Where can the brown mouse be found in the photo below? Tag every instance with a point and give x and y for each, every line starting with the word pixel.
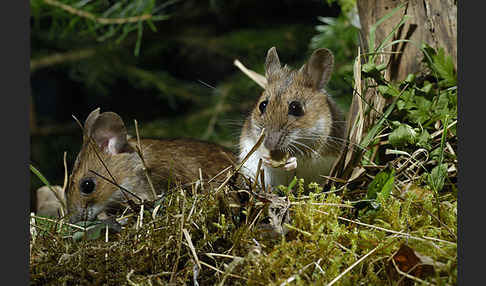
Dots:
pixel 169 161
pixel 304 129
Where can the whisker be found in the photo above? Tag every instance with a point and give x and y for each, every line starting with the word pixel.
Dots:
pixel 292 145
pixel 306 146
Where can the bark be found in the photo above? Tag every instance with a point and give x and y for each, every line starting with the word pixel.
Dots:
pixel 431 21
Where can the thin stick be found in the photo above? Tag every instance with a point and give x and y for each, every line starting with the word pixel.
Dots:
pixel 425 238
pixel 100 20
pixel 210 254
pixel 255 147
pixel 408 275
pixel 95 148
pixel 293 277
pixel 323 204
pixel 145 168
pixel 256 77
pixel 174 268
pixel 352 266
pixel 52 220
pixel 222 272
pixel 191 247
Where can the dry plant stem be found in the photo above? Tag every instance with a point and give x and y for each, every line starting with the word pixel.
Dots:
pixel 64 186
pixel 129 274
pixel 255 147
pixel 259 171
pixel 95 148
pixel 425 238
pixel 323 204
pixel 437 133
pixel 222 272
pixel 431 215
pixel 229 269
pixel 259 79
pixel 352 266
pixel 116 184
pixel 55 221
pixel 293 277
pixel 146 170
pixel 59 58
pixel 408 275
pixel 99 20
pixel 210 254
pixel 179 244
pixel 191 246
pixel 219 174
pixel 201 181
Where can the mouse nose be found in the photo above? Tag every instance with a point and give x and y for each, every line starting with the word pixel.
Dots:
pixel 272 140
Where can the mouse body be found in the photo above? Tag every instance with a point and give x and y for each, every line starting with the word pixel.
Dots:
pixel 107 154
pixel 304 129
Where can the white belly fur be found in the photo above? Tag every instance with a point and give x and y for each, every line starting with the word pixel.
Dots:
pixel 310 169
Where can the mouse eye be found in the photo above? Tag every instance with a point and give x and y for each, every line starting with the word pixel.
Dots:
pixel 87 186
pixel 262 106
pixel 295 109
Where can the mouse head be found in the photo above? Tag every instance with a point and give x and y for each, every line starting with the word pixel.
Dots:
pixel 294 109
pixel 104 139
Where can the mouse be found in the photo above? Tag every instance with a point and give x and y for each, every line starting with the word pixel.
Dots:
pixel 107 147
pixel 47 204
pixel 303 127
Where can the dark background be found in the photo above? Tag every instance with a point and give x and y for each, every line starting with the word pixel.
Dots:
pixel 183 71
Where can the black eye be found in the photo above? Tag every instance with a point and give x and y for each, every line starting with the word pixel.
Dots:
pixel 263 105
pixel 87 186
pixel 295 109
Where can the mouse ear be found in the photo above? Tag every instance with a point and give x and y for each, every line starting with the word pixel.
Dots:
pixel 109 133
pixel 272 63
pixel 317 71
pixel 90 120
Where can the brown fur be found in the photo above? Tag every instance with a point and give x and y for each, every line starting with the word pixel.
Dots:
pixel 169 161
pixel 284 86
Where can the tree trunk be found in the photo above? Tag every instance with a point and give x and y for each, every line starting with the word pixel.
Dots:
pixel 431 21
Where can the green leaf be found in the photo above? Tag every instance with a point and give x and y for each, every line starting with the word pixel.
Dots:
pixel 403 135
pixel 370 136
pixel 437 177
pixel 382 184
pixel 423 140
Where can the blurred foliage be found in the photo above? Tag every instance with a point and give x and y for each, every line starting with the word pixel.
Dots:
pixel 99 21
pixel 183 71
pixel 346 5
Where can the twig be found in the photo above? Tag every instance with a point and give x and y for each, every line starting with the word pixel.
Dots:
pixel 191 246
pixel 210 254
pixel 59 58
pixel 323 204
pixel 425 238
pixel 256 77
pixel 222 272
pixel 56 221
pixel 129 274
pixel 408 275
pixel 174 268
pixel 293 277
pixel 145 168
pixel 352 266
pixel 99 20
pixel 255 147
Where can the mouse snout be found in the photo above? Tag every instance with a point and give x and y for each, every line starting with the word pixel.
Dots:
pixel 273 140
